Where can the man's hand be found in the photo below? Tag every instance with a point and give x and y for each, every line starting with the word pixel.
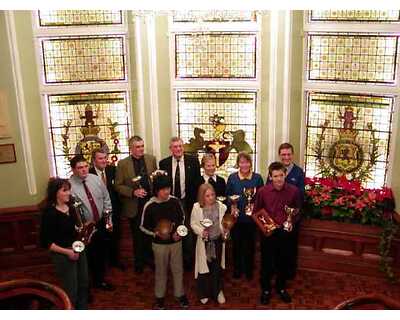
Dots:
pixel 140 193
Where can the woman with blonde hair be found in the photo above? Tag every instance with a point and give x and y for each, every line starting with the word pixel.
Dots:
pixel 210 248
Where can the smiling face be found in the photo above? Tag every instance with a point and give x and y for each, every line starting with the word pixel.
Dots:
pixel 244 166
pixel 209 197
pixel 137 149
pixel 278 178
pixel 176 148
pixel 210 167
pixel 286 156
pixel 63 195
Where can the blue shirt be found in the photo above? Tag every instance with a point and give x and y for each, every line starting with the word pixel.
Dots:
pixel 235 185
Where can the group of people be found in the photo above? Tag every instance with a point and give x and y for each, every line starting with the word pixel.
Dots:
pixel 157 201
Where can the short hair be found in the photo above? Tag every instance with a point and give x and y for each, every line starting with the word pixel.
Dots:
pixel 276 166
pixel 175 139
pixel 202 191
pixel 161 182
pixel 96 151
pixel 285 145
pixel 243 155
pixel 134 139
pixel 207 157
pixel 74 161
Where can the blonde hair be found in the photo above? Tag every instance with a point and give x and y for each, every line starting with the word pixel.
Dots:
pixel 208 157
pixel 202 191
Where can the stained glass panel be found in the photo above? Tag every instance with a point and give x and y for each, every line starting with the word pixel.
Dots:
pixel 82 59
pixel 222 121
pixel 356 58
pixel 214 16
pixel 355 15
pixel 79 17
pixel 81 122
pixel 341 126
pixel 215 55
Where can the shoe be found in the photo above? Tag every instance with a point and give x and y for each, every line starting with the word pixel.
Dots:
pixel 221 298
pixel 285 296
pixel 265 297
pixel 104 286
pixel 204 300
pixel 159 304
pixel 118 265
pixel 236 275
pixel 188 267
pixel 138 270
pixel 183 302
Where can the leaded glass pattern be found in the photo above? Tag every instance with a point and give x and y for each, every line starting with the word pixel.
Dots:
pixel 48 18
pixel 236 108
pixel 368 114
pixel 214 16
pixel 354 58
pixel 219 55
pixel 355 15
pixel 84 59
pixel 80 122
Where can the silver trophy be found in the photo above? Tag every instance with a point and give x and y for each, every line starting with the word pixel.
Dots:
pixel 206 223
pixel 249 193
pixel 182 230
pixel 108 219
pixel 84 230
pixel 291 212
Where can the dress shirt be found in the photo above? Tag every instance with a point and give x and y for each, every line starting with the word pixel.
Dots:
pixel 181 173
pixel 206 178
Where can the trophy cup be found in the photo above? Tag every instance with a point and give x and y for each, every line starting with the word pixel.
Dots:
pixel 84 230
pixel 249 194
pixel 221 199
pixel 264 222
pixel 291 212
pixel 108 219
pixel 206 223
pixel 182 230
pixel 228 221
pixel 136 182
pixel 234 202
pixel 164 228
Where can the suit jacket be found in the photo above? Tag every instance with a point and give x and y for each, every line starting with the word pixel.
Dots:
pixel 110 177
pixel 219 186
pixel 125 186
pixel 192 177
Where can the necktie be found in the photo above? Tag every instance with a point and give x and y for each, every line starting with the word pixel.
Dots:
pixel 103 177
pixel 95 211
pixel 177 181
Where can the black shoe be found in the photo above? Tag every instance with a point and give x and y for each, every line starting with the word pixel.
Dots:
pixel 118 265
pixel 104 286
pixel 183 302
pixel 188 267
pixel 249 276
pixel 285 296
pixel 265 297
pixel 159 304
pixel 236 274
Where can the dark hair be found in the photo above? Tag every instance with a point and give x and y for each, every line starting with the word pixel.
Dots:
pixel 53 186
pixel 285 145
pixel 161 182
pixel 133 140
pixel 75 160
pixel 96 151
pixel 276 166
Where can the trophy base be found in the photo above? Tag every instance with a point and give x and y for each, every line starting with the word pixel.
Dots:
pixel 78 246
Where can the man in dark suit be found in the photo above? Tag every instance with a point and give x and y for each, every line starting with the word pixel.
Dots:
pixel 106 172
pixel 184 170
pixel 134 195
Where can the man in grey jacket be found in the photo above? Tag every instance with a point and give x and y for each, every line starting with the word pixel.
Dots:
pixel 134 195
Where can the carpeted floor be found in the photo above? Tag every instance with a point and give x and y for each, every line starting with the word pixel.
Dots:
pixel 310 289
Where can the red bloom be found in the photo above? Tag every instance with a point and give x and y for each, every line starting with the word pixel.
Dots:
pixel 326 211
pixel 340 201
pixel 360 204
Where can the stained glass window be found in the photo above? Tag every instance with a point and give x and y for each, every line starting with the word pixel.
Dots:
pixel 355 15
pixel 348 134
pixel 214 16
pixel 78 59
pixel 79 17
pixel 215 55
pixel 357 58
pixel 81 122
pixel 223 122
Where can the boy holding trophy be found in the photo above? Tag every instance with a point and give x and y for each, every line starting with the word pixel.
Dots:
pixel 277 202
pixel 163 219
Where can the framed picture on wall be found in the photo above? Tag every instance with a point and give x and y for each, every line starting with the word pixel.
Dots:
pixel 7 153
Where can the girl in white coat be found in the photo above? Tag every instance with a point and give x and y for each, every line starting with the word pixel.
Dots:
pixel 210 248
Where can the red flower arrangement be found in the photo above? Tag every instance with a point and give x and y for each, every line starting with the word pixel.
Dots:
pixel 337 198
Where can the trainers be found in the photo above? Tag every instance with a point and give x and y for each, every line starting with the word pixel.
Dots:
pixel 221 298
pixel 159 304
pixel 204 300
pixel 183 302
pixel 285 296
pixel 265 297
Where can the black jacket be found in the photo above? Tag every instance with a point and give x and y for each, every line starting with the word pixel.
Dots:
pixel 219 186
pixel 192 177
